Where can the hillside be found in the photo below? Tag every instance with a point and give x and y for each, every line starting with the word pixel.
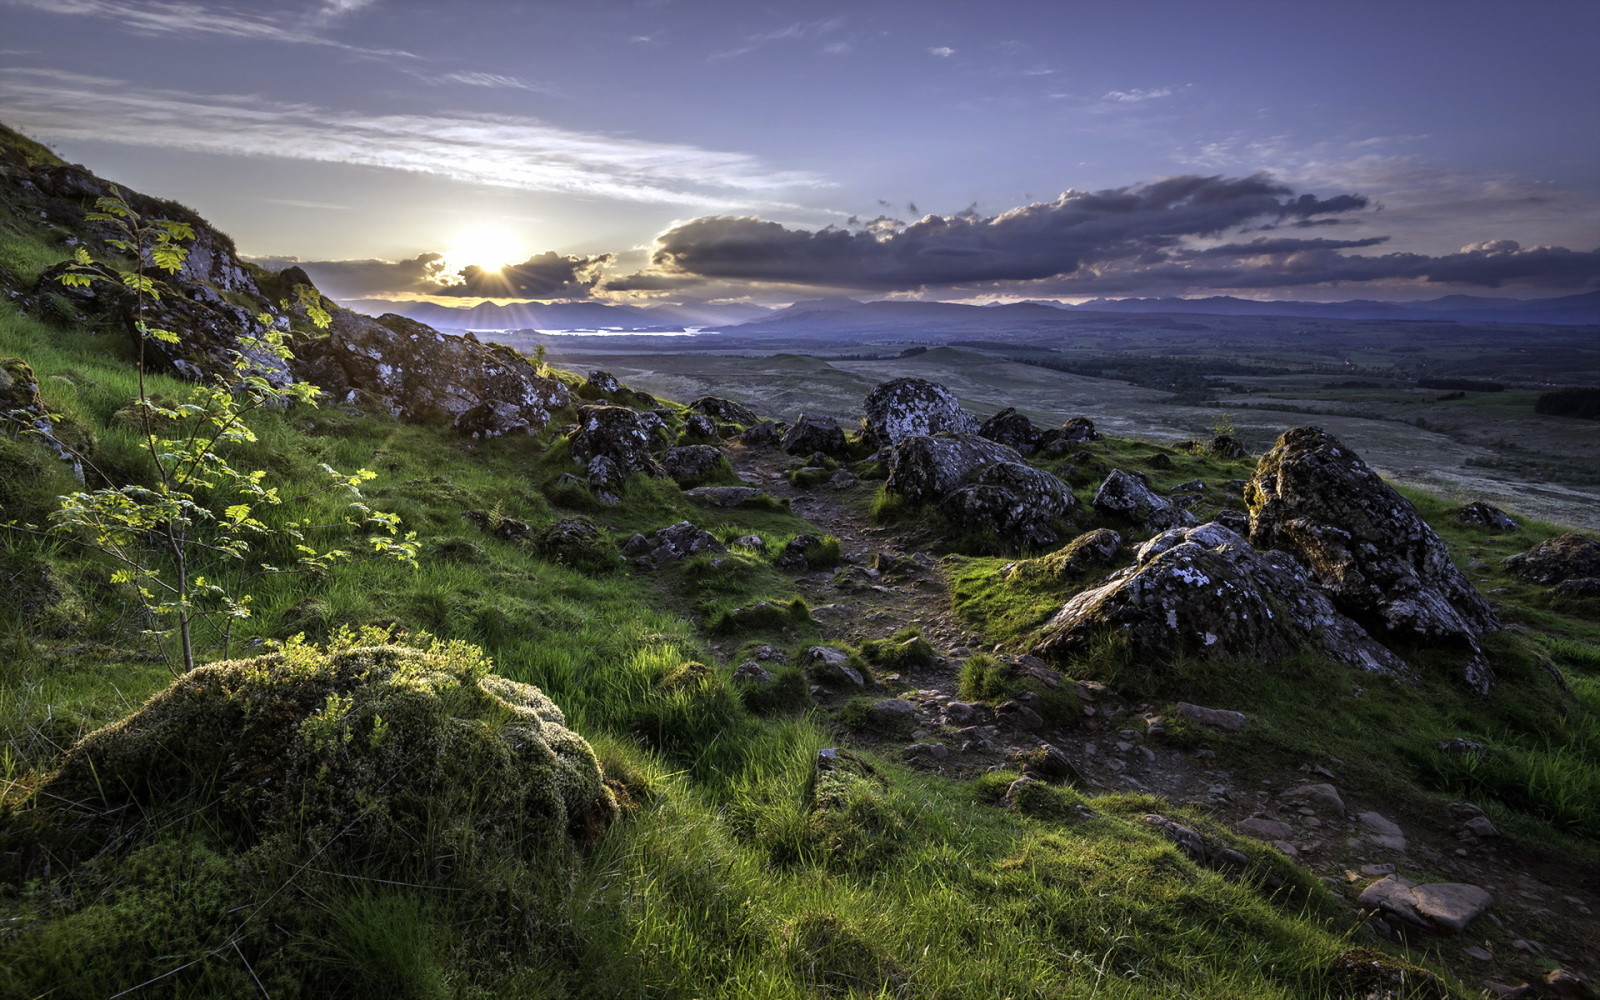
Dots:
pixel 678 701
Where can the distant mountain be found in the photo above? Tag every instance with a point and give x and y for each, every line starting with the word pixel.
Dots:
pixel 1569 309
pixel 566 315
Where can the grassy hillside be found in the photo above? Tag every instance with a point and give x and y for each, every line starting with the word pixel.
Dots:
pixel 739 866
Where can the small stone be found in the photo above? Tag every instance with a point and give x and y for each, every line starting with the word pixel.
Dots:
pixel 1383 831
pixel 1323 794
pixel 1219 718
pixel 1481 954
pixel 1265 829
pixel 1452 905
pixel 1481 827
pixel 1373 870
pixel 958 713
pixel 753 672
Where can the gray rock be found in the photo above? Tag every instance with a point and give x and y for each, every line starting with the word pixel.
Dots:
pixel 909 407
pixel 1201 849
pixel 1122 494
pixel 1483 515
pixel 891 711
pixel 835 662
pixel 1321 794
pixel 1014 502
pixel 671 544
pixel 765 434
pixel 724 496
pixel 1220 718
pixel 1265 829
pixel 23 411
pixel 755 542
pixel 620 437
pixel 725 410
pixel 1481 827
pixel 924 469
pixel 1012 429
pixel 813 433
pixel 1087 551
pixel 692 464
pixel 1555 560
pixel 752 672
pixel 1383 831
pixel 1451 905
pixel 1367 546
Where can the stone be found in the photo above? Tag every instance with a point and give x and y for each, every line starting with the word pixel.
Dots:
pixel 692 464
pixel 577 542
pixel 22 411
pixel 600 385
pixel 1367 546
pixel 1200 849
pixel 938 751
pixel 414 373
pixel 752 672
pixel 892 712
pixel 910 407
pixel 1555 560
pixel 1124 495
pixel 724 496
pixel 1265 829
pixel 924 469
pixel 1481 827
pixel 1219 718
pixel 1322 794
pixel 768 653
pixel 1451 905
pixel 1012 429
pixel 958 713
pixel 766 434
pixel 1562 984
pixel 755 542
pixel 725 410
pixel 1207 593
pixel 1087 551
pixel 613 442
pixel 699 427
pixel 1477 953
pixel 813 433
pixel 1017 503
pixel 1225 446
pixel 1018 716
pixel 1383 831
pixel 673 543
pixel 800 551
pixel 1483 515
pixel 834 663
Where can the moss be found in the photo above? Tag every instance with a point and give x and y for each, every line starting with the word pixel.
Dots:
pixel 905 650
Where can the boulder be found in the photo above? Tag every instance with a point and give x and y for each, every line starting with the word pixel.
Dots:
pixel 1012 429
pixel 1482 515
pixel 23 412
pixel 1125 495
pixel 600 385
pixel 1555 560
pixel 698 426
pixel 723 496
pixel 673 543
pixel 612 442
pixel 1217 718
pixel 1367 546
pixel 924 469
pixel 1207 593
pixel 907 407
pixel 813 433
pixel 725 410
pixel 1017 503
pixel 1225 446
pixel 413 372
pixel 1434 906
pixel 577 542
pixel 765 434
pixel 1089 550
pixel 692 464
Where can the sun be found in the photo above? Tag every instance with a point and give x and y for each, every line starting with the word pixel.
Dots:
pixel 488 247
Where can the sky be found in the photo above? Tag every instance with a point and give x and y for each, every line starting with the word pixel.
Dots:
pixel 678 150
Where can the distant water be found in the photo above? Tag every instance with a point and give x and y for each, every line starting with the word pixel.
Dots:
pixel 525 332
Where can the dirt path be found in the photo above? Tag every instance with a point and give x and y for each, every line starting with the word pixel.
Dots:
pixel 1542 916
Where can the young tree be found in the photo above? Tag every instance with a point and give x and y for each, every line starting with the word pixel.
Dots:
pixel 184 540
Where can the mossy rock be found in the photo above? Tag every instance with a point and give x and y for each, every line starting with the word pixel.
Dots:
pixel 401 757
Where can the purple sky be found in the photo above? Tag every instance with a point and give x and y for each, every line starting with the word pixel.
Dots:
pixel 637 149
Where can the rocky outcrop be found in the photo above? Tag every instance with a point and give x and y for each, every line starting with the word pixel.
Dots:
pixel 1483 515
pixel 577 542
pixel 725 410
pixel 908 407
pixel 692 464
pixel 1556 560
pixel 1125 495
pixel 1012 429
pixel 766 434
pixel 1059 440
pixel 1366 545
pixel 23 412
pixel 612 443
pixel 813 433
pixel 981 486
pixel 924 469
pixel 411 371
pixel 673 543
pixel 1206 592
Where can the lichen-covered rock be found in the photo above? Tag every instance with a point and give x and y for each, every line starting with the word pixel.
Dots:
pixel 612 443
pixel 345 755
pixel 413 372
pixel 577 542
pixel 766 434
pixel 1555 560
pixel 1012 429
pixel 1225 446
pixel 925 469
pixel 1087 551
pixel 693 464
pixel 1125 495
pixel 673 543
pixel 1484 515
pixel 1205 592
pixel 1366 544
pixel 725 410
pixel 1017 503
pixel 813 433
pixel 725 496
pixel 699 427
pixel 600 385
pixel 907 407
pixel 22 412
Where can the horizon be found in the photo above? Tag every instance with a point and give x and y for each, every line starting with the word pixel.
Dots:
pixel 639 153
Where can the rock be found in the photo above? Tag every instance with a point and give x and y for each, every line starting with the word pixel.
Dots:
pixel 813 433
pixel 1017 503
pixel 600 385
pixel 1482 515
pixel 692 464
pixel 671 544
pixel 755 542
pixel 724 496
pixel 1200 849
pixel 23 412
pixel 800 552
pixel 1078 430
pixel 417 374
pixel 1367 546
pixel 1219 718
pixel 698 426
pixel 1018 716
pixel 959 713
pixel 1123 495
pixel 768 653
pixel 577 542
pixel 1322 794
pixel 1560 984
pixel 890 713
pixel 1383 831
pixel 833 663
pixel 765 434
pixel 1225 446
pixel 1205 592
pixel 1050 763
pixel 1481 827
pixel 1012 429
pixel 1555 560
pixel 1192 486
pixel 910 407
pixel 923 469
pixel 725 410
pixel 613 443
pixel 1265 829
pixel 1087 551
pixel 938 751
pixel 753 673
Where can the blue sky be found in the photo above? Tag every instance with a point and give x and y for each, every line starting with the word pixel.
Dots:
pixel 637 149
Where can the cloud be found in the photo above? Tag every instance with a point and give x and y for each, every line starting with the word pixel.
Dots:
pixel 360 279
pixel 500 150
pixel 1169 235
pixel 546 275
pixel 178 17
pixel 497 81
pixel 1135 96
pixel 942 51
pixel 794 32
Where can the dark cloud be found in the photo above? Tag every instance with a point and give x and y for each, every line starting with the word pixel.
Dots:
pixel 548 275
pixel 1130 239
pixel 1034 241
pixel 360 279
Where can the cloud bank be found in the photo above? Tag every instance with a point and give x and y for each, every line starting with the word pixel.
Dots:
pixel 547 275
